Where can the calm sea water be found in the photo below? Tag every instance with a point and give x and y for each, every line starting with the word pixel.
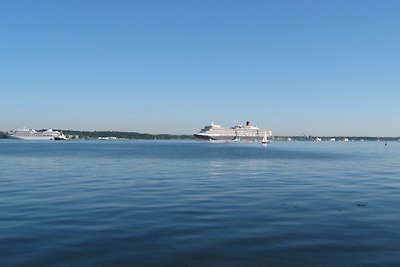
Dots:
pixel 170 203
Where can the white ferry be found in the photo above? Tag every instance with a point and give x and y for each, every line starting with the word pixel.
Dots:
pixel 215 132
pixel 31 134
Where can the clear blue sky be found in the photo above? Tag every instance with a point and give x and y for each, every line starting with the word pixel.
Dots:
pixel 315 67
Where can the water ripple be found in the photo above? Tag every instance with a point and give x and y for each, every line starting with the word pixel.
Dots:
pixel 199 204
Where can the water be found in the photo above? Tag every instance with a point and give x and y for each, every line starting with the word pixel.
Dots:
pixel 170 203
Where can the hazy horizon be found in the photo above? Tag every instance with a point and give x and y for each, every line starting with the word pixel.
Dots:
pixel 295 67
pixel 306 133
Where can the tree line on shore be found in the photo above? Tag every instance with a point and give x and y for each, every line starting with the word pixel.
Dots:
pixel 116 134
pixel 123 135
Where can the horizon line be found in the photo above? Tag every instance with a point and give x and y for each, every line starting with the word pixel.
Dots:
pixel 275 135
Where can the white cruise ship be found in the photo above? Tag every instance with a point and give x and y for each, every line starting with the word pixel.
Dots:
pixel 31 134
pixel 215 132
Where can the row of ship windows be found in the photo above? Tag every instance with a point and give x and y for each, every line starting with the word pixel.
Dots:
pixel 35 134
pixel 239 135
pixel 236 131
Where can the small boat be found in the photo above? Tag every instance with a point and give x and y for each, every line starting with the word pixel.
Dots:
pixel 236 139
pixel 61 136
pixel 265 138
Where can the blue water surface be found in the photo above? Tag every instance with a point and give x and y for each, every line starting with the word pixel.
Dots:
pixel 188 203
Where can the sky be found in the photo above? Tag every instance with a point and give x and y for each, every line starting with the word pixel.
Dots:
pixel 294 67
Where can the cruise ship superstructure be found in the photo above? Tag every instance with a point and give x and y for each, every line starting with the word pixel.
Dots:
pixel 31 134
pixel 215 132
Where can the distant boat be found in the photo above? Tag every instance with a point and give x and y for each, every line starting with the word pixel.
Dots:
pixel 61 136
pixel 346 140
pixel 332 139
pixel 215 132
pixel 236 139
pixel 265 138
pixel 318 139
pixel 31 134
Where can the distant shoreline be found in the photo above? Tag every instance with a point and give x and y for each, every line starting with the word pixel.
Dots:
pixel 337 138
pixel 75 134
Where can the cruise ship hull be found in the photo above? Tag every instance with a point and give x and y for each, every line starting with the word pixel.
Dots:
pixel 226 138
pixel 32 137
